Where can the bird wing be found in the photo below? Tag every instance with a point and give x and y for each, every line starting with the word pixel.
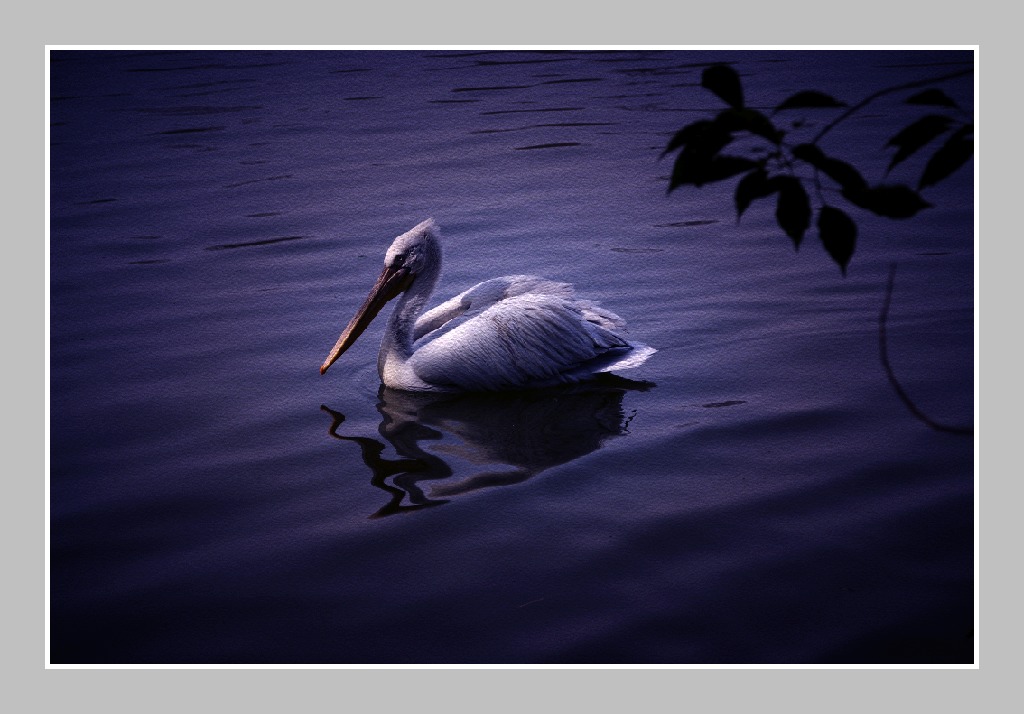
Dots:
pixel 440 315
pixel 484 295
pixel 529 339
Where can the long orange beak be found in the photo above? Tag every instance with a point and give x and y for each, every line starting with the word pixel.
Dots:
pixel 392 282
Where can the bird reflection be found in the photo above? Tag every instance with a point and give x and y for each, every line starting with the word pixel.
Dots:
pixel 511 436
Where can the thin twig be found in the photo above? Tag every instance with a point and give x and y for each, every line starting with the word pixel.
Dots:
pixel 883 349
pixel 881 93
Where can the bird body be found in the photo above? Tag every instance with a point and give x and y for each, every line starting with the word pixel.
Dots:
pixel 512 332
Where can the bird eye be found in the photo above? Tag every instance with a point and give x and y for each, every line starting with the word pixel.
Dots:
pixel 398 261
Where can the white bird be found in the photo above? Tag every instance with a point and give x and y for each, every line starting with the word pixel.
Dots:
pixel 513 332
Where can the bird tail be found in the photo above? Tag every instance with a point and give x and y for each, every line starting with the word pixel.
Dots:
pixel 633 358
pixel 592 312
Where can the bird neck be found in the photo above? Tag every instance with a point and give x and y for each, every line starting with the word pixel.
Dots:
pixel 398 335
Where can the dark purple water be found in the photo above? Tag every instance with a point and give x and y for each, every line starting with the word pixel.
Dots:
pixel 217 217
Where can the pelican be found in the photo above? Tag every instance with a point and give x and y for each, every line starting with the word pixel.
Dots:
pixel 513 332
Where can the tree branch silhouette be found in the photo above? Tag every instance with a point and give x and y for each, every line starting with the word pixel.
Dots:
pixel 881 93
pixel 883 349
pixel 701 161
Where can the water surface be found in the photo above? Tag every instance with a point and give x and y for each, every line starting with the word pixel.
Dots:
pixel 757 493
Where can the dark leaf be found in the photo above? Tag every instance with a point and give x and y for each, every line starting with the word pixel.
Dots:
pixel 809 99
pixel 756 184
pixel 839 171
pixel 701 137
pixel 725 83
pixel 810 153
pixel 793 209
pixel 699 169
pixel 932 97
pixel 838 234
pixel 686 135
pixel 749 120
pixel 723 167
pixel 952 155
pixel 888 200
pixel 913 137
